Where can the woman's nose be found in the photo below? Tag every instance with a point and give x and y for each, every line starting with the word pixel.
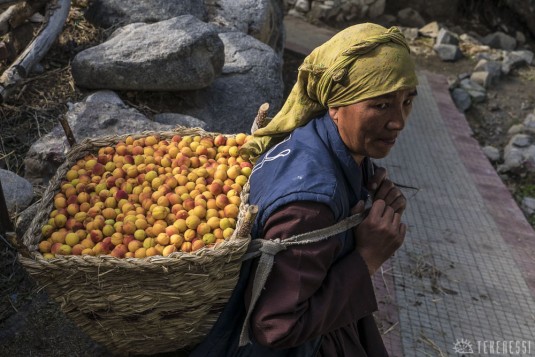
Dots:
pixel 397 121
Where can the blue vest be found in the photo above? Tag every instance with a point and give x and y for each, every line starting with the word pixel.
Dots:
pixel 311 164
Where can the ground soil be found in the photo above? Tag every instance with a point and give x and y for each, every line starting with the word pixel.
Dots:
pixel 31 324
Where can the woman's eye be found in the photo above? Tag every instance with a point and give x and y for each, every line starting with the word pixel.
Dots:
pixel 381 106
pixel 408 101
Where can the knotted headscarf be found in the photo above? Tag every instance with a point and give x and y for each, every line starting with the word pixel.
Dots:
pixel 358 63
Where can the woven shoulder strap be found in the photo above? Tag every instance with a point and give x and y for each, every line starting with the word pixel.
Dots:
pixel 267 249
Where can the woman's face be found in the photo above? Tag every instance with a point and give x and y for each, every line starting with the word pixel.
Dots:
pixel 370 128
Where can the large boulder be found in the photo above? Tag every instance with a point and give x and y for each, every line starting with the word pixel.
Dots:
pixel 261 19
pixel 181 53
pixel 18 192
pixel 107 13
pixel 251 76
pixel 100 114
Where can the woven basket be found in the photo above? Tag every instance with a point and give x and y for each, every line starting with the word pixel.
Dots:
pixel 143 306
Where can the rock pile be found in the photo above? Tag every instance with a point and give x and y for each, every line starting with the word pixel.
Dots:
pixel 338 10
pixel 519 153
pixel 497 55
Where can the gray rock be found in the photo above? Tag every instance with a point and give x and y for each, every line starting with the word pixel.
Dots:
pixel 175 119
pixel 492 153
pixel 477 96
pixel 453 82
pixel 410 33
pixel 513 159
pixel 493 68
pixel 261 19
pixel 516 59
pixel 430 30
pixel 25 218
pixel 528 205
pixel 529 123
pixel 104 96
pixel 18 192
pixel 500 40
pixel 482 78
pixel 520 140
pixel 376 9
pixel 181 53
pixel 302 5
pixel 107 13
pixel 446 37
pixel 515 129
pixel 448 52
pixel 470 38
pixel 475 90
pixel 410 18
pixel 461 98
pixel 251 76
pixel 87 120
pixel 468 84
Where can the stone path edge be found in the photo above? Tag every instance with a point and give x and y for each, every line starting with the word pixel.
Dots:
pixel 512 224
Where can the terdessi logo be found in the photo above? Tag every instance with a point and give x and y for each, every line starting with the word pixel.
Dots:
pixel 493 347
pixel 463 346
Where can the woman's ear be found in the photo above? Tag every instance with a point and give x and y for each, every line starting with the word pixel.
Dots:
pixel 333 113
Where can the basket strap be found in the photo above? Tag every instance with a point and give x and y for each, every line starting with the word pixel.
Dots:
pixel 267 249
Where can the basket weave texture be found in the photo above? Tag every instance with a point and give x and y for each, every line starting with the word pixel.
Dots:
pixel 143 306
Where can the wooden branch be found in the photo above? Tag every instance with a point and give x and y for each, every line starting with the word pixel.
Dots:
pixel 17 14
pixel 245 228
pixel 67 129
pixel 260 119
pixel 57 13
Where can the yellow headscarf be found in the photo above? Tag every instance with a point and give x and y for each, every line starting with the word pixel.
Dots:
pixel 358 63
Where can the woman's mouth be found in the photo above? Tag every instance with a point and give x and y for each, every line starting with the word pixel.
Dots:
pixel 388 141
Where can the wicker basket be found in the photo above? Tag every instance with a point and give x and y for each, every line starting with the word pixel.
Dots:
pixel 143 306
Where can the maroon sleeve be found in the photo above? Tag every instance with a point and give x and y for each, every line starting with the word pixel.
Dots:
pixel 307 294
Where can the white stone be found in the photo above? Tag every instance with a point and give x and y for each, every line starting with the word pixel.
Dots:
pixel 520 140
pixel 376 9
pixel 515 129
pixel 513 159
pixel 492 153
pixel 302 5
pixel 528 205
pixel 430 30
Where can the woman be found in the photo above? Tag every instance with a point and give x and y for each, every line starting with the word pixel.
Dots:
pixel 351 100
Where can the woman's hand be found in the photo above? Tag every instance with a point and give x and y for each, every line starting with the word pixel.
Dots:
pixel 379 235
pixel 385 190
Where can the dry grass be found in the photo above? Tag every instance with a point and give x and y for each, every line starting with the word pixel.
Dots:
pixel 33 109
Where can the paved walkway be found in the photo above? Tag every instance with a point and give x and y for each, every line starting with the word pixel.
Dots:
pixel 466 272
